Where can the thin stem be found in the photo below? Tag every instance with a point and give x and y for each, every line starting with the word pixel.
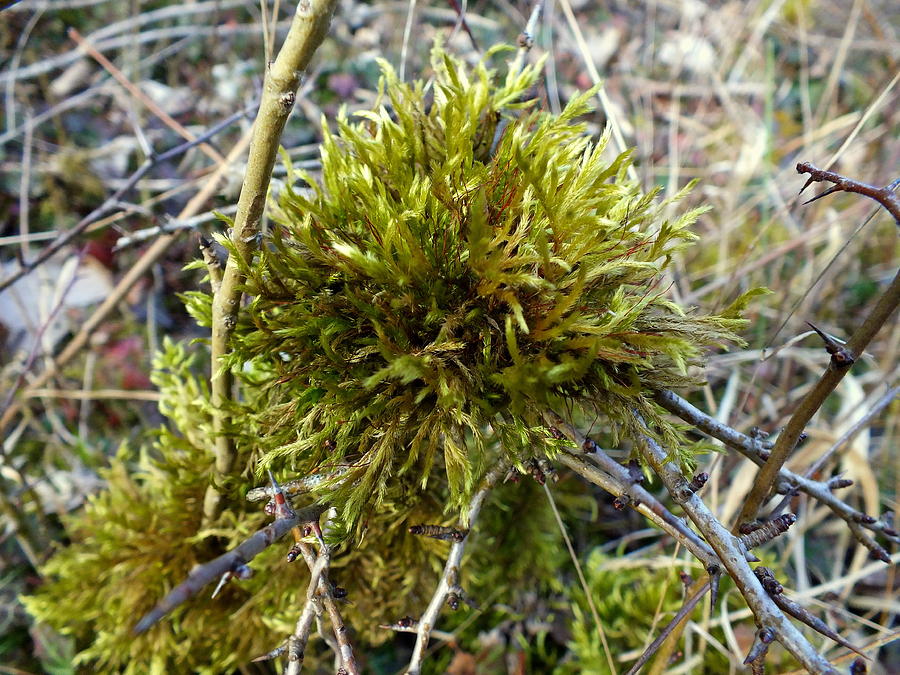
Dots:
pixel 886 196
pixel 584 584
pixel 448 577
pixel 308 29
pixel 214 569
pixel 682 614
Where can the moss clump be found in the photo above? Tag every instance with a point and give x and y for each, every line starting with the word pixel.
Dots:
pixel 458 272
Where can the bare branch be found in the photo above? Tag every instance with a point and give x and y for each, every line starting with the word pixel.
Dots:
pixel 732 555
pixel 449 576
pixel 756 450
pixel 886 196
pixel 684 612
pixel 775 590
pixel 616 479
pixel 214 569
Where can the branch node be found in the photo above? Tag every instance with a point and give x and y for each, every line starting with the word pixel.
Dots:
pixel 698 481
pixel 841 357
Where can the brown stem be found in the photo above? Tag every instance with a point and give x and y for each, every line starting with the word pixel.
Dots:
pixel 787 439
pixel 308 29
pixel 886 196
pixel 682 614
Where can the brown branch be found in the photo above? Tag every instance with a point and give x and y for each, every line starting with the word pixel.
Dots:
pixel 682 614
pixel 775 590
pixel 732 554
pixel 886 196
pixel 214 569
pixel 308 29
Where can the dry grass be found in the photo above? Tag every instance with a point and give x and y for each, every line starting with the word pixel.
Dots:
pixel 732 94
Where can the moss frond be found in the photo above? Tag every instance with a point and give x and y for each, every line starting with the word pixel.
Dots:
pixel 457 271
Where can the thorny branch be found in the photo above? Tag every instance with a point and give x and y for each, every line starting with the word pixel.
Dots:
pixel 886 196
pixel 308 29
pixel 227 562
pixel 320 591
pixel 614 478
pixel 756 450
pixel 733 556
pixel 449 576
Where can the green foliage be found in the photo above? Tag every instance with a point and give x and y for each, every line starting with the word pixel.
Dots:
pixel 143 534
pixel 457 273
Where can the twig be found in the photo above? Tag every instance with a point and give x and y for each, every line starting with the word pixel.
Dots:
pixel 113 200
pixel 526 37
pixel 448 577
pixel 886 196
pixel 171 225
pixel 241 555
pixel 775 590
pixel 119 76
pixel 879 405
pixel 642 501
pixel 732 555
pixel 308 29
pixel 755 451
pixel 319 591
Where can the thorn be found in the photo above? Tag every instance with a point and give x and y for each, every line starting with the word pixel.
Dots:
pixel 282 508
pixel 764 637
pixel 715 575
pixel 840 355
pixel 698 481
pixel 809 181
pixel 222 581
pixel 827 192
pixel 268 656
pixel 621 502
pixel 439 532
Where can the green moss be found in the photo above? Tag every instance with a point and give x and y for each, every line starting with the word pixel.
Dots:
pixel 458 272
